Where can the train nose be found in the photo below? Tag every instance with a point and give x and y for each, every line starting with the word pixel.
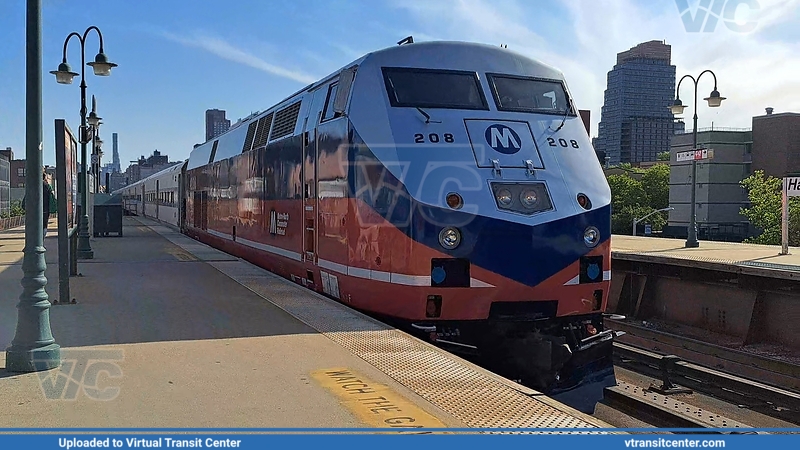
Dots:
pixel 503 144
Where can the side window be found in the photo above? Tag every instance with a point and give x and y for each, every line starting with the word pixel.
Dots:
pixel 329 112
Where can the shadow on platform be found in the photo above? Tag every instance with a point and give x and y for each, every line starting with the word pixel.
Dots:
pixel 142 288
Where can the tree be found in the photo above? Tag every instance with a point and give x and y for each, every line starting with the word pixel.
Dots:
pixel 625 192
pixel 663 156
pixel 627 199
pixel 633 199
pixel 655 183
pixel 764 193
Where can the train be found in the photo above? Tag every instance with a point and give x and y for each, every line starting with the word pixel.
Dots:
pixel 448 188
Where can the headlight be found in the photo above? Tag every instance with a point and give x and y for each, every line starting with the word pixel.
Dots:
pixel 523 198
pixel 591 237
pixel 504 197
pixel 449 238
pixel 528 198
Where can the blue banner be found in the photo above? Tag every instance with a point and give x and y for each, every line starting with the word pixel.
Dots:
pixel 295 439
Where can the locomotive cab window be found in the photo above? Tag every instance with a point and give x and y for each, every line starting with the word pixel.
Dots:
pixel 426 88
pixel 530 95
pixel 330 113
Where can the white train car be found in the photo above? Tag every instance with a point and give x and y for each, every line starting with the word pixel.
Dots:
pixel 162 196
pixel 132 198
pixel 157 197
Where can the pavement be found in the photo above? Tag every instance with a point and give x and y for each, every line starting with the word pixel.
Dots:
pixel 160 338
pixel 711 251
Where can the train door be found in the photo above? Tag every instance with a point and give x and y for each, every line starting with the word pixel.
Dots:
pixel 158 200
pixel 181 202
pixel 200 207
pixel 144 200
pixel 310 191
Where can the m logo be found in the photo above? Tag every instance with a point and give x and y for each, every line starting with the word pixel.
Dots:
pixel 503 139
pixel 708 12
pixel 273 222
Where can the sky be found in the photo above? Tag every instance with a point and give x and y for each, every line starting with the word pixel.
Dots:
pixel 178 58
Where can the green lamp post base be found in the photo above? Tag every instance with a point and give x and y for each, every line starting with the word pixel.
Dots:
pixel 33 359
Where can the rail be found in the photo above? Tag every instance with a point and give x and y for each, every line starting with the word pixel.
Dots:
pixel 672 371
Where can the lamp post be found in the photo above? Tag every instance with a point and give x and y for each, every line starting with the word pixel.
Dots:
pixel 94 129
pixel 714 100
pixel 33 347
pixel 636 221
pixel 64 75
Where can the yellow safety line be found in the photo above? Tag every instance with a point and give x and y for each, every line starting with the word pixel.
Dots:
pixel 375 404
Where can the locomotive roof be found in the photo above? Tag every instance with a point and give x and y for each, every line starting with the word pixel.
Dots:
pixel 431 54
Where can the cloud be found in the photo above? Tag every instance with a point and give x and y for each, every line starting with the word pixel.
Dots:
pixel 226 50
pixel 582 38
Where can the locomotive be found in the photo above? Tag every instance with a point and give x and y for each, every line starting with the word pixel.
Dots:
pixel 449 188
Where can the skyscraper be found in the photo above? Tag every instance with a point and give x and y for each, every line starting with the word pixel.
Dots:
pixel 115 165
pixel 216 123
pixel 635 122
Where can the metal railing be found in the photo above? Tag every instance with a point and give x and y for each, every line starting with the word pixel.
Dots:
pixel 701 130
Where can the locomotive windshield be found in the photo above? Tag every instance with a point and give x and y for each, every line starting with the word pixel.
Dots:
pixel 529 95
pixel 426 88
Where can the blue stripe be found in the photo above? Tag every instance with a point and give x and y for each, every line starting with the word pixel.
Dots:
pixel 524 253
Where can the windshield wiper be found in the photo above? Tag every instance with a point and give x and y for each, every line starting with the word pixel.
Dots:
pixel 427 116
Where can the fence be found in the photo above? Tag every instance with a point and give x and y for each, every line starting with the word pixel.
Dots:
pixel 12 222
pixel 17 221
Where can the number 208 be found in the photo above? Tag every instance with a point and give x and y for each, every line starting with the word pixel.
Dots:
pixel 419 138
pixel 563 142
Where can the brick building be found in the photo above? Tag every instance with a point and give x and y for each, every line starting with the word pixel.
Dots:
pixel 776 143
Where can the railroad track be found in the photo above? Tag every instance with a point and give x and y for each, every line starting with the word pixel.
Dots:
pixel 676 369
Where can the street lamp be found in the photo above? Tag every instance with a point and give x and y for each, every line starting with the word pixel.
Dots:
pixel 94 136
pixel 677 107
pixel 33 348
pixel 64 75
pixel 636 221
pixel 96 156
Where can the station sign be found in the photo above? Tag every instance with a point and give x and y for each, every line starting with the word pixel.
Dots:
pixel 696 155
pixel 792 186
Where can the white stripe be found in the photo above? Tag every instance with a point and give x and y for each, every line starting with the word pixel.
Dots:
pixel 358 272
pixel 411 280
pixel 576 279
pixel 272 249
pixel 379 275
pixel 473 282
pixel 330 265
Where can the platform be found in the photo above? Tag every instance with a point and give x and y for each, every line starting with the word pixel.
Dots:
pixel 746 259
pixel 168 332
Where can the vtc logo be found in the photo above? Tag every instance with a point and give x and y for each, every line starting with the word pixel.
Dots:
pixel 82 371
pixel 503 139
pixel 709 12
